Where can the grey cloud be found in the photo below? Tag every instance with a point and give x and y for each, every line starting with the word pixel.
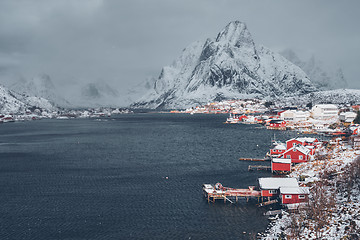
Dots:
pixel 123 42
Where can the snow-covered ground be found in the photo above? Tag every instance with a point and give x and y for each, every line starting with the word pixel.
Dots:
pixel 339 205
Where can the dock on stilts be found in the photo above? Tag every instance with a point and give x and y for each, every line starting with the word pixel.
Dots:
pixel 259 168
pixel 255 159
pixel 268 203
pixel 218 192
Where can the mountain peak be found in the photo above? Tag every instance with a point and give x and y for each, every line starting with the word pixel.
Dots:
pixel 236 34
pixel 231 66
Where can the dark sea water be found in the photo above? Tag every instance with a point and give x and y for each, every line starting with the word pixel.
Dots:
pixel 88 179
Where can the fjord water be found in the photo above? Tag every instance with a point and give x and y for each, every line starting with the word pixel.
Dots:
pixel 133 176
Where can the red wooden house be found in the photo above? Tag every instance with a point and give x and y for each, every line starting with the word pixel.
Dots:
pixel 356 131
pixel 277 124
pixel 306 141
pixel 292 197
pixel 278 150
pixel 297 154
pixel 280 165
pixel 269 187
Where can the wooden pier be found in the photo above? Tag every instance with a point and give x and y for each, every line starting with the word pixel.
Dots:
pixel 259 168
pixel 255 159
pixel 218 192
pixel 268 203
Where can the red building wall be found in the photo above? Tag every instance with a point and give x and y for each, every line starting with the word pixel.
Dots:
pixel 295 156
pixel 266 193
pixel 280 166
pixel 294 198
pixel 278 151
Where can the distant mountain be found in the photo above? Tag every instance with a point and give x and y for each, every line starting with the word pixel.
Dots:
pixel 94 94
pixel 337 96
pixel 228 66
pixel 12 102
pixel 323 79
pixel 40 86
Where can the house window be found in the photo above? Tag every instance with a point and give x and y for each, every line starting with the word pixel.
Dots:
pixel 294 144
pixel 272 191
pixel 301 157
pixel 288 196
pixel 294 149
pixel 301 196
pixel 288 156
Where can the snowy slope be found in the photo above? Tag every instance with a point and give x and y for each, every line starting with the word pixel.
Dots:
pixel 12 102
pixel 323 79
pixel 229 66
pixel 338 96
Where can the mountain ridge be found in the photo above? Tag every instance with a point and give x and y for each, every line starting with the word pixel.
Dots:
pixel 228 66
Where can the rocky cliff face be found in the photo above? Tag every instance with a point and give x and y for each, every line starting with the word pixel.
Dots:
pixel 228 66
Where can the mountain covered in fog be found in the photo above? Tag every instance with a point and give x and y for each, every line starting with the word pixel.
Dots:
pixel 12 102
pixel 75 94
pixel 230 65
pixel 40 86
pixel 332 78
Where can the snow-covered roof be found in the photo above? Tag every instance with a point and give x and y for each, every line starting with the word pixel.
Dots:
pixel 280 147
pixel 294 190
pixel 281 160
pixel 275 183
pixel 303 139
pixel 327 106
pixel 306 139
pixel 208 186
pixel 299 148
pixel 303 149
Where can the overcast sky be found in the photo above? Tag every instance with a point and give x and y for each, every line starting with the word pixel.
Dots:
pixel 123 42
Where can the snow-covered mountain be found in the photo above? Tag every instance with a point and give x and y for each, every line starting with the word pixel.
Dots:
pixel 93 94
pixel 40 86
pixel 337 96
pixel 228 66
pixel 323 79
pixel 12 102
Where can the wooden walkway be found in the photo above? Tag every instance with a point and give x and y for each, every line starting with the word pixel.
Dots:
pixel 216 192
pixel 255 159
pixel 259 168
pixel 268 203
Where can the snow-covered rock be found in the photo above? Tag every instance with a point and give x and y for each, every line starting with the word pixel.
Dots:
pixel 229 66
pixel 337 96
pixel 12 102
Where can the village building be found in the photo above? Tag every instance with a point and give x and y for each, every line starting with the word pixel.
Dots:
pixel 297 154
pixel 277 124
pixel 270 187
pixel 278 150
pixel 294 115
pixel 304 141
pixel 292 197
pixel 324 111
pixel 347 117
pixel 279 165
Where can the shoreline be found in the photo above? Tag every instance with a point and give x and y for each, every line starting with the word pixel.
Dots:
pixel 333 211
